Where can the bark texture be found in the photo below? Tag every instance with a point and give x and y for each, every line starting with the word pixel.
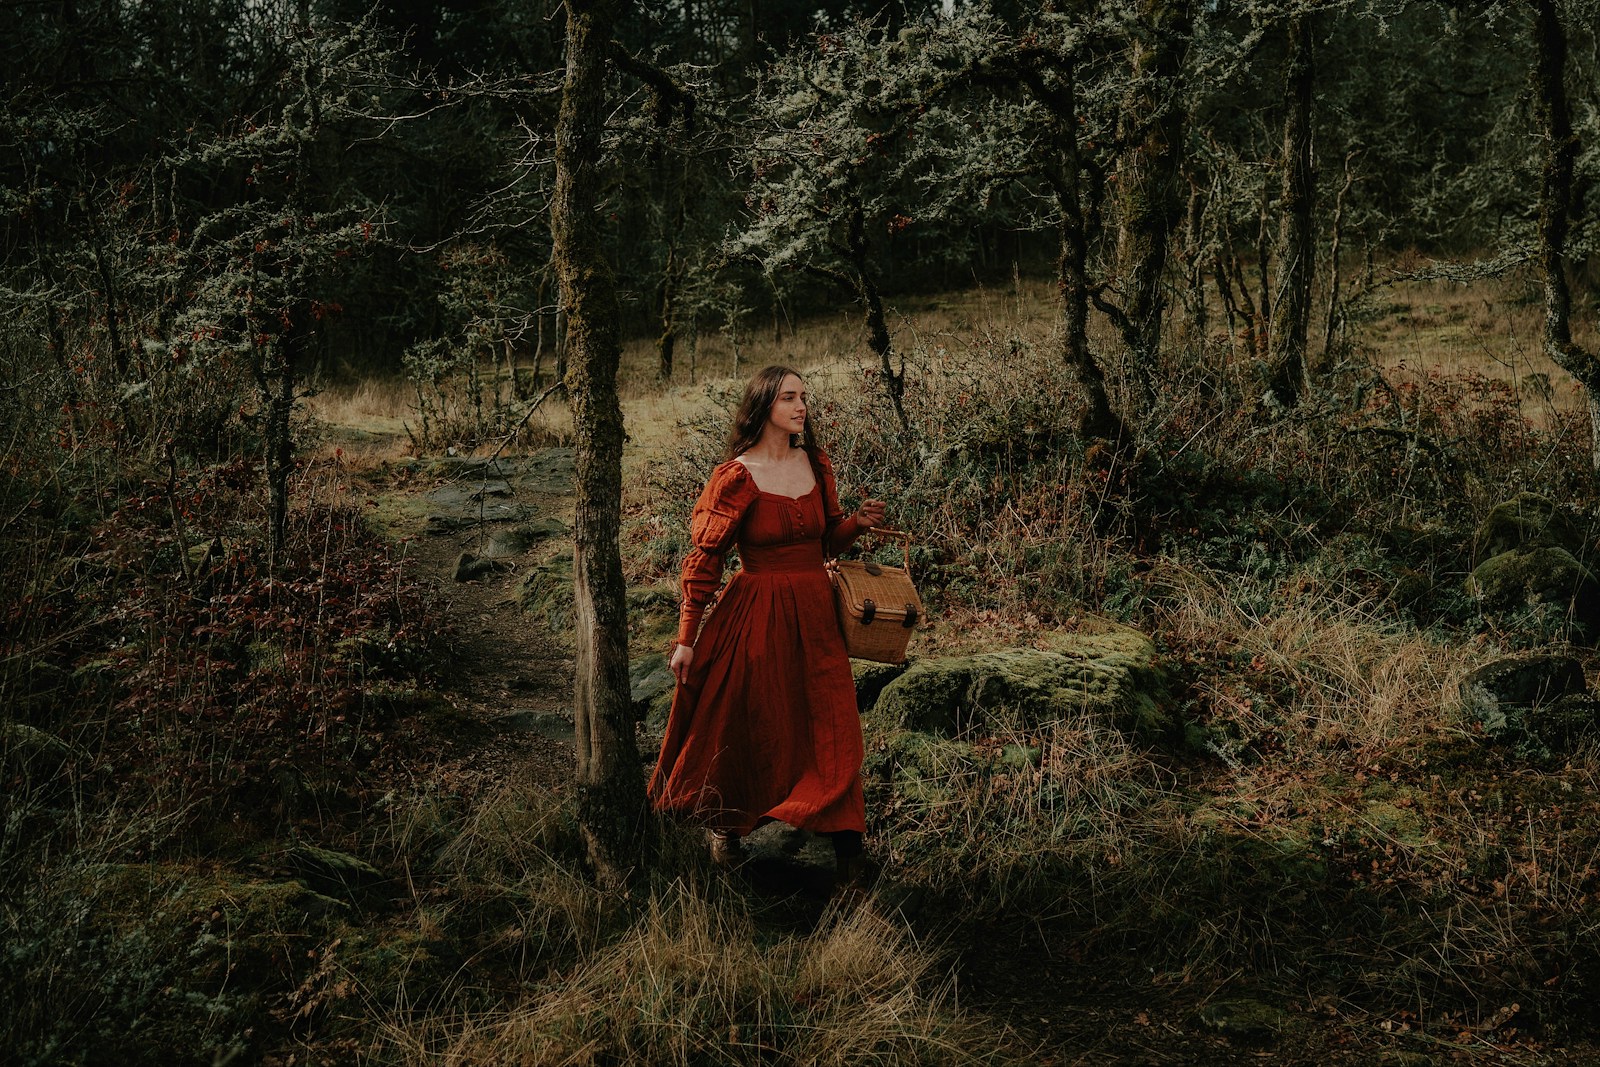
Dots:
pixel 1152 131
pixel 1555 209
pixel 1096 419
pixel 1297 245
pixel 611 801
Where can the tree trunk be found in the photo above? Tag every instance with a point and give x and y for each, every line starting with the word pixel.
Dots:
pixel 1193 257
pixel 894 383
pixel 611 801
pixel 1555 206
pixel 277 390
pixel 1291 309
pixel 1335 247
pixel 1096 419
pixel 1152 129
pixel 668 339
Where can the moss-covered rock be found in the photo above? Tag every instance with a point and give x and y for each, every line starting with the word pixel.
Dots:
pixel 871 678
pixel 918 766
pixel 1565 721
pixel 653 614
pixel 339 875
pixel 1244 1018
pixel 1535 700
pixel 1542 581
pixel 547 593
pixel 1524 679
pixel 1526 521
pixel 515 540
pixel 33 753
pixel 1116 673
pixel 470 568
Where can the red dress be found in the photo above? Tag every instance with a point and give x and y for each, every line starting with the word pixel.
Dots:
pixel 766 725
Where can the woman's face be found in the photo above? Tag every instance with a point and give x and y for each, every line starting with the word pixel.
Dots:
pixel 788 414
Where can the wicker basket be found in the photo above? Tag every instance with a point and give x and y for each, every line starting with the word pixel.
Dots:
pixel 877 605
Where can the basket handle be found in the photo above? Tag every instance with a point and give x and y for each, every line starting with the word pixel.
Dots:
pixel 904 538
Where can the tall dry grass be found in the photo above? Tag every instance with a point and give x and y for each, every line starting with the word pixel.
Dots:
pixel 692 971
pixel 694 982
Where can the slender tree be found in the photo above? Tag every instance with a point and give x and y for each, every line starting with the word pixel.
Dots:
pixel 1152 138
pixel 1297 242
pixel 611 798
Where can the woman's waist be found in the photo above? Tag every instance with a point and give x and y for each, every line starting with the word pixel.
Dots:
pixel 795 557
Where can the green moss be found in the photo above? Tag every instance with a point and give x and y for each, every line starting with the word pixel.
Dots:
pixel 339 875
pixel 653 614
pixel 871 678
pixel 1525 521
pixel 1513 578
pixel 156 963
pixel 547 593
pixel 1115 673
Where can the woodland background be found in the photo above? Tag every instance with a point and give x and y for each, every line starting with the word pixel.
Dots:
pixel 1244 352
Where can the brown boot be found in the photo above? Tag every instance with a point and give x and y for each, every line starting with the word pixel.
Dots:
pixel 725 848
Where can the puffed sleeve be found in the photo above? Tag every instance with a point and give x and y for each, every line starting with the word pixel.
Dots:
pixel 712 529
pixel 839 532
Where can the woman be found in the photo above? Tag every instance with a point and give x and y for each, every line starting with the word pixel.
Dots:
pixel 764 723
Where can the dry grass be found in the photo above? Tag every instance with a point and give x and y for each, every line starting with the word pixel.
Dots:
pixel 1332 822
pixel 1488 328
pixel 693 982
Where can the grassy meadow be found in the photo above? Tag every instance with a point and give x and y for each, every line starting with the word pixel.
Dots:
pixel 1326 857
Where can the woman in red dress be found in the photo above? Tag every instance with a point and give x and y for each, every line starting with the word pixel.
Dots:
pixel 764 723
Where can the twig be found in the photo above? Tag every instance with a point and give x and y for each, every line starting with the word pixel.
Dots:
pixel 512 436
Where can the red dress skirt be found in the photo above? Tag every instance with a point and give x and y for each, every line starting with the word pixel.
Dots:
pixel 766 725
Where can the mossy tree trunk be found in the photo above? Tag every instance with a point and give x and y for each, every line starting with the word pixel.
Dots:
pixel 611 802
pixel 1297 244
pixel 1097 421
pixel 1151 129
pixel 1555 210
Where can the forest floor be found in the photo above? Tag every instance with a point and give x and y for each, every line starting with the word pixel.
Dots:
pixel 512 678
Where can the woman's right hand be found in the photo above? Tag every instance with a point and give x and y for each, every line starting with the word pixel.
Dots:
pixel 682 656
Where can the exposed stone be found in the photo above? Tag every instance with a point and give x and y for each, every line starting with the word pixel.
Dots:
pixel 1116 673
pixel 1534 699
pixel 499 512
pixel 338 874
pixel 459 495
pixel 470 568
pixel 1523 522
pixel 1541 580
pixel 1525 679
pixel 525 535
pixel 550 724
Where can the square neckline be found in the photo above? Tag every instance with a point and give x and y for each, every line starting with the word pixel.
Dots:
pixel 816 483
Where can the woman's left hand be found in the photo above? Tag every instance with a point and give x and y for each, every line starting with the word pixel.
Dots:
pixel 870 514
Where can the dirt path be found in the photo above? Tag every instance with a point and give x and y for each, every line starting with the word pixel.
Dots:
pixel 472 532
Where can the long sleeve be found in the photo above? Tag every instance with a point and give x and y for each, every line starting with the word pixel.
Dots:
pixel 713 527
pixel 840 532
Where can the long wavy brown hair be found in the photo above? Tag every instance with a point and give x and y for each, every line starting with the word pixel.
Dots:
pixel 756 408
